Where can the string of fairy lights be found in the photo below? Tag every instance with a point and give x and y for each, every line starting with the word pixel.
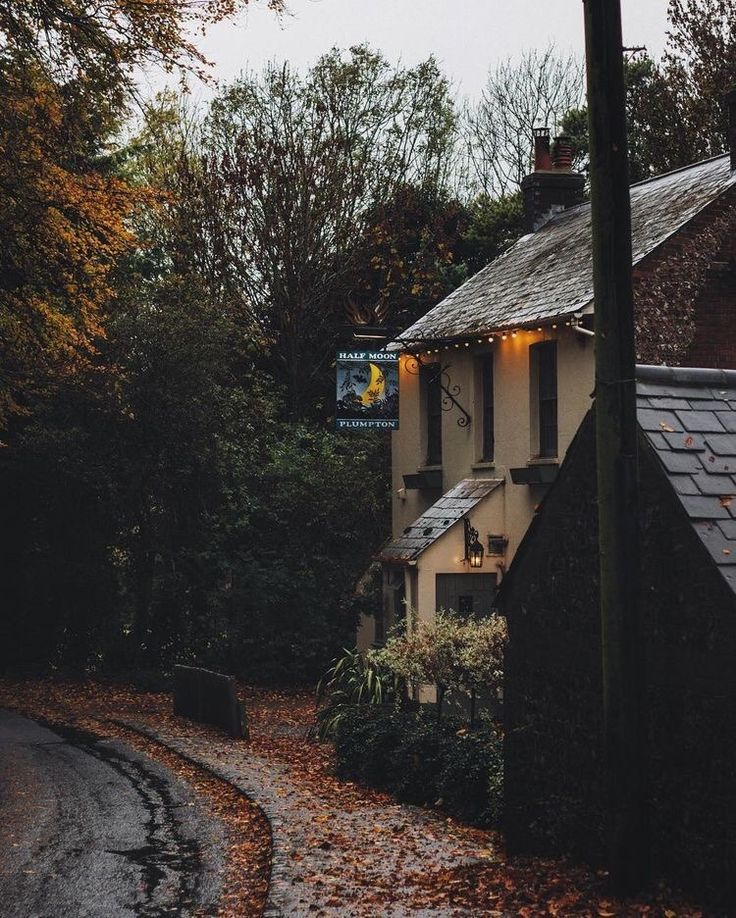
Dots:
pixel 490 338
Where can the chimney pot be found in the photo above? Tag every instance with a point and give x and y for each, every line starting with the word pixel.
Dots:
pixel 553 186
pixel 731 103
pixel 562 157
pixel 542 158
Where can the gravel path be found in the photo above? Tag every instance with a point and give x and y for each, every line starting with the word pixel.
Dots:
pixel 328 859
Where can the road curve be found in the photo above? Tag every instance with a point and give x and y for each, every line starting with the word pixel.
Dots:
pixel 92 829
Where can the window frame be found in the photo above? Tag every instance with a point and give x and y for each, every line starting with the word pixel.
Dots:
pixel 485 378
pixel 545 390
pixel 432 398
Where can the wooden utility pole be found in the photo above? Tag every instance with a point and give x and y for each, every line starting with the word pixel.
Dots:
pixel 616 450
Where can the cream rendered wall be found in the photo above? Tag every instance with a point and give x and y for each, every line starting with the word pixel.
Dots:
pixel 445 556
pixel 508 510
pixel 407 450
pixel 366 632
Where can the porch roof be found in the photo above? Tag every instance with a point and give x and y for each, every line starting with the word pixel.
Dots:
pixel 437 520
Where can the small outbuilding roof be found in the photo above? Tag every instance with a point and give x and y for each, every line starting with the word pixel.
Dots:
pixel 689 418
pixel 549 274
pixel 436 521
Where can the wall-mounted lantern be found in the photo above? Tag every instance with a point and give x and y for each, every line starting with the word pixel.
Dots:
pixel 473 548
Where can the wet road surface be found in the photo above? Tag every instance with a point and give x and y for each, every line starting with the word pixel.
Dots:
pixel 91 828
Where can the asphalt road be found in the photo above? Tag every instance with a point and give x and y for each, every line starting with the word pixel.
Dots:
pixel 91 828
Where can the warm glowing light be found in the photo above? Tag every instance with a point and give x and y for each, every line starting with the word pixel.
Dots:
pixel 513 334
pixel 473 548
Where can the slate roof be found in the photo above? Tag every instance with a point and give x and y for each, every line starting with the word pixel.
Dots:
pixel 689 418
pixel 436 521
pixel 549 274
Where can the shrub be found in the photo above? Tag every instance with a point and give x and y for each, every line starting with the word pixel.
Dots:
pixel 470 783
pixel 449 652
pixel 351 679
pixel 366 738
pixel 423 762
pixel 418 760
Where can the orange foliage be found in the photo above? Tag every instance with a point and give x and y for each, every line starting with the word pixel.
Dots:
pixel 64 224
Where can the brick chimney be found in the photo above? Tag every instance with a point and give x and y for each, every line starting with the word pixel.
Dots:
pixel 731 104
pixel 553 186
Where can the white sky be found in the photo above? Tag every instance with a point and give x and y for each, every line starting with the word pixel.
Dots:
pixel 467 36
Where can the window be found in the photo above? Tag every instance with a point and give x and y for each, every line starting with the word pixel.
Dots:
pixel 544 397
pixel 433 402
pixel 485 379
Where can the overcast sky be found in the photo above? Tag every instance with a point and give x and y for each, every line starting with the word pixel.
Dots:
pixel 467 36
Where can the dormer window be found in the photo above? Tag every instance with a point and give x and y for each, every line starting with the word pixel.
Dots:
pixel 543 366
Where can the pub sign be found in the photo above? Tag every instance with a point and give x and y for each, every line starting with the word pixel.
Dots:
pixel 367 390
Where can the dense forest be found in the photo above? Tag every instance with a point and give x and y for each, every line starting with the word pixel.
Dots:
pixel 174 281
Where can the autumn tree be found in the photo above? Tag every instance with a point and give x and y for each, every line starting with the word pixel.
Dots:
pixel 650 100
pixel 285 176
pixel 105 43
pixel 674 106
pixel 537 90
pixel 700 65
pixel 408 258
pixel 67 74
pixel 63 218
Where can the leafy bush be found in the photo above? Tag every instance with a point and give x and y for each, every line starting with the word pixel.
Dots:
pixel 351 679
pixel 449 652
pixel 416 763
pixel 470 783
pixel 365 738
pixel 420 761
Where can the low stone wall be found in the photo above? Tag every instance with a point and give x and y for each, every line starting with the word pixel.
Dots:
pixel 209 698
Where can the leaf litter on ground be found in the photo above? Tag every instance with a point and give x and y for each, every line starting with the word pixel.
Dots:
pixel 487 883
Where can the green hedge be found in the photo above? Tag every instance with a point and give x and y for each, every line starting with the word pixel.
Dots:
pixel 421 761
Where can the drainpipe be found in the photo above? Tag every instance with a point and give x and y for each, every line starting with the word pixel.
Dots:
pixel 582 330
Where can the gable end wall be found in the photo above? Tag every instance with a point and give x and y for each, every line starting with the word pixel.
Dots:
pixel 553 686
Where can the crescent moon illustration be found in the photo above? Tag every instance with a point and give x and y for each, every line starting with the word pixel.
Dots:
pixel 375 388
